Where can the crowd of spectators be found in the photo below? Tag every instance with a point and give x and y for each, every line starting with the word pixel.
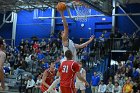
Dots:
pixel 126 78
pixel 33 56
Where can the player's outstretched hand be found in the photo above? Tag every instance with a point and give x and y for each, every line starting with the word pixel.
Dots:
pixel 92 37
pixel 87 84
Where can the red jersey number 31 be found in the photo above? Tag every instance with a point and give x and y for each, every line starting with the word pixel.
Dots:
pixel 65 69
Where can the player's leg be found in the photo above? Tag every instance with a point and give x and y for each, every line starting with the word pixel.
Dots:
pixel 2 79
pixel 82 91
pixel 77 86
pixel 82 87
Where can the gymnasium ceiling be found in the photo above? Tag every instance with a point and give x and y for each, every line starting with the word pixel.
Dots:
pixel 30 5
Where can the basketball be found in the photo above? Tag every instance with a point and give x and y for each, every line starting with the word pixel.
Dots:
pixel 61 6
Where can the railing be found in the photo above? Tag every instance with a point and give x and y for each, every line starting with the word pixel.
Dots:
pixel 21 83
pixel 101 47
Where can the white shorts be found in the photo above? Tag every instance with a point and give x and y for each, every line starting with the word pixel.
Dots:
pixel 80 85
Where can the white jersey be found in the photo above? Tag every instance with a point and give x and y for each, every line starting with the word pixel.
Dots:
pixel 71 46
pixel 81 72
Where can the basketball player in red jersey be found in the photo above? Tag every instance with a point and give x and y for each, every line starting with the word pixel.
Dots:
pixel 48 77
pixel 67 71
pixel 2 59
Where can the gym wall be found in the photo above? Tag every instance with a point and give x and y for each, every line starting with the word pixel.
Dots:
pixel 123 22
pixel 6 29
pixel 28 27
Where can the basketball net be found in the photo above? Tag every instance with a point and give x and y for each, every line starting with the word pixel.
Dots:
pixel 82 11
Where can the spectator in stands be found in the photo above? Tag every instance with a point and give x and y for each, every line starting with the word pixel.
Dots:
pixel 128 72
pixel 11 59
pixel 27 46
pixel 125 40
pixel 118 36
pixel 36 47
pixel 101 44
pixel 95 82
pixel 40 56
pixel 59 43
pixel 129 63
pixel 27 58
pixel 120 65
pixel 128 87
pixel 21 46
pixel 110 87
pixel 102 87
pixel 43 44
pixel 121 81
pixel 30 84
pixel 16 51
pixel 7 67
pixel 136 61
pixel 122 71
pixel 135 74
pixel 9 49
pixel 17 60
pixel 134 37
pixel 135 87
pixel 34 62
pixel 131 57
pixel 138 69
pixel 117 88
pixel 22 42
pixel 20 67
pixel 116 77
pixel 130 79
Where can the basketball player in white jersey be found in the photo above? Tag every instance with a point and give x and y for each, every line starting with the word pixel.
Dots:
pixel 2 59
pixel 68 45
pixel 79 84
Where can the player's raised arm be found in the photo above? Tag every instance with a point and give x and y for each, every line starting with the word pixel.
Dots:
pixel 84 44
pixel 61 7
pixel 65 34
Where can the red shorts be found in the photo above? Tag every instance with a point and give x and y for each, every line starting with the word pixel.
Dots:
pixel 67 90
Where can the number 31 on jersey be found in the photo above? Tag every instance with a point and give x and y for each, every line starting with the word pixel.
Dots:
pixel 65 69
